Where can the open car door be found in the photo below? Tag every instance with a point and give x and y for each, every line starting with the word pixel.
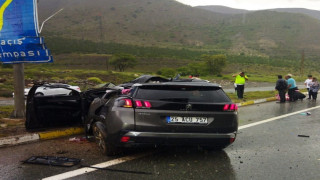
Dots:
pixel 53 110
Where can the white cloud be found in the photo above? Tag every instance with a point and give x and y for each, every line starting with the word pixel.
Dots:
pixel 257 4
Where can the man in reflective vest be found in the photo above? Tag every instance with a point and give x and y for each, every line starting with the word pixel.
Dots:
pixel 239 82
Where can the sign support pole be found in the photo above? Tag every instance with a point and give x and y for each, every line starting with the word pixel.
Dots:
pixel 19 84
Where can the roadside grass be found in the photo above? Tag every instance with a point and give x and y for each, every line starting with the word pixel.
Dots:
pixel 9 126
pixel 254 95
pixel 5 111
pixel 248 96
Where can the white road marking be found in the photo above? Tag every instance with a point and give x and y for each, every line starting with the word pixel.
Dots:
pixel 113 162
pixel 18 139
pixel 85 170
pixel 276 118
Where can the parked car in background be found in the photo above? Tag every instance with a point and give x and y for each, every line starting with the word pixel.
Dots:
pixel 52 89
pixel 148 111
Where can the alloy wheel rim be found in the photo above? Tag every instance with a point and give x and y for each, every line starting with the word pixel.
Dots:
pixel 99 139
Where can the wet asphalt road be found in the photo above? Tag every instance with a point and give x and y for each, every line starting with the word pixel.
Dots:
pixel 267 151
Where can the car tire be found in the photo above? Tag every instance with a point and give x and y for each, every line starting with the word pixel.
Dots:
pixel 39 94
pixel 101 139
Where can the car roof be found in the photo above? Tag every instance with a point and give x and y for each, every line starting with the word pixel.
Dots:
pixel 56 85
pixel 175 83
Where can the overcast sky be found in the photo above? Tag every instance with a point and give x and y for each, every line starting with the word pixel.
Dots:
pixel 257 4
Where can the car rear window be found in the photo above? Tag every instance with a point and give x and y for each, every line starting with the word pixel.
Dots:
pixel 182 94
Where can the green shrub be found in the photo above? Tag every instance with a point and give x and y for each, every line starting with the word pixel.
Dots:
pixel 5 93
pixel 55 78
pixel 167 72
pixel 95 80
pixel 68 78
pixel 5 111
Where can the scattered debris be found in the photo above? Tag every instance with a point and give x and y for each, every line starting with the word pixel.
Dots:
pixel 77 139
pixel 53 161
pixel 306 113
pixel 300 135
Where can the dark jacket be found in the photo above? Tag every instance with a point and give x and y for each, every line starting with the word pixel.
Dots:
pixel 281 85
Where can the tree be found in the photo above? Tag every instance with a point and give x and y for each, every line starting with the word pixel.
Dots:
pixel 167 72
pixel 214 63
pixel 197 68
pixel 123 61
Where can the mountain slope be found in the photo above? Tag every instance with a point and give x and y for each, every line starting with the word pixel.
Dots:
pixel 232 11
pixel 143 22
pixel 169 24
pixel 311 13
pixel 223 9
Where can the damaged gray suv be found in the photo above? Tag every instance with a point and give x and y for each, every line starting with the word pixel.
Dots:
pixel 171 113
pixel 157 113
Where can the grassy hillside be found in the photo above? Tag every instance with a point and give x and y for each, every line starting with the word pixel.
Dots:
pixel 224 9
pixel 274 34
pixel 139 22
pixel 167 24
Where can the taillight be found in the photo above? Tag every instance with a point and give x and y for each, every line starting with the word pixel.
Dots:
pixel 226 107
pixel 138 103
pixel 142 104
pixel 230 107
pixel 125 139
pixel 147 104
pixel 127 103
pixel 233 107
pixel 232 139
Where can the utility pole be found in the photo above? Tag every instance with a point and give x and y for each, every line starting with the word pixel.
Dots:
pixel 19 104
pixel 101 33
pixel 102 40
pixel 302 63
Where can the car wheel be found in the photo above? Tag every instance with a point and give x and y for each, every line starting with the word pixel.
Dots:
pixel 105 147
pixel 39 94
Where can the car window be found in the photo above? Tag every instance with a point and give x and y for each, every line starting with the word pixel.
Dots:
pixel 182 93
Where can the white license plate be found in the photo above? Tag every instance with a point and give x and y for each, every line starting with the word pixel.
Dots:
pixel 187 120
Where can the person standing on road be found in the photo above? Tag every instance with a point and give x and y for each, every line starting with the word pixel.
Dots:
pixel 281 86
pixel 292 87
pixel 306 83
pixel 240 81
pixel 314 88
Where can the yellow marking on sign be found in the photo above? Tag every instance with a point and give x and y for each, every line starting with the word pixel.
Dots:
pixel 2 9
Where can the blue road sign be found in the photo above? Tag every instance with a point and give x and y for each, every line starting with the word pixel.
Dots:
pixel 19 33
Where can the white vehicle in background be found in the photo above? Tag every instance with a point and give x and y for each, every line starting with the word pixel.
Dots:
pixel 52 89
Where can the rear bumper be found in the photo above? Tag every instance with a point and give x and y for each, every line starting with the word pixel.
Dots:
pixel 165 138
